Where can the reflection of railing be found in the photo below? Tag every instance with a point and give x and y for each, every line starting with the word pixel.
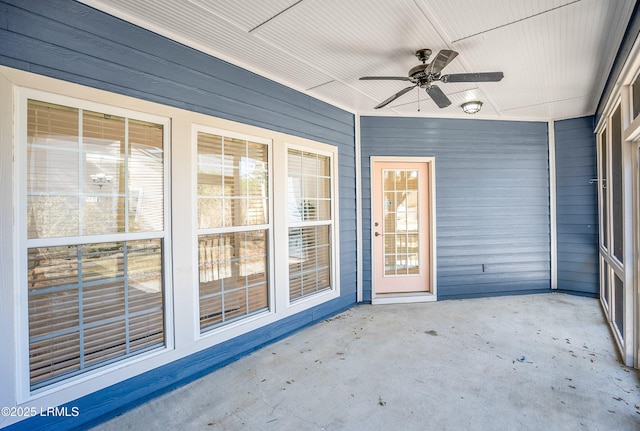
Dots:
pixel 215 258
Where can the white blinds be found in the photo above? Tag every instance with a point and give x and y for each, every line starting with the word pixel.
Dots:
pixel 233 221
pixel 310 223
pixel 90 173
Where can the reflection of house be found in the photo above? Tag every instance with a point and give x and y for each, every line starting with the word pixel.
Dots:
pixel 55 172
pixel 516 207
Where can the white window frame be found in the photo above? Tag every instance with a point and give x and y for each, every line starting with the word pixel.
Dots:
pixel 240 322
pixel 21 97
pixel 182 336
pixel 279 305
pixel 283 230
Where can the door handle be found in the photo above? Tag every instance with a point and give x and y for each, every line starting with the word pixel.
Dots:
pixel 377 234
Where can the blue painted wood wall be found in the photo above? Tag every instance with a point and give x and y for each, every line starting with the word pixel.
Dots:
pixel 67 40
pixel 70 41
pixel 577 206
pixel 492 200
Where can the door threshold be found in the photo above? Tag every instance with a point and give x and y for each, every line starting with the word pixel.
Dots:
pixel 403 298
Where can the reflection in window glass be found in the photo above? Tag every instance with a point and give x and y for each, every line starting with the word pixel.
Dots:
pixel 233 186
pixel 90 173
pixel 92 303
pixel 233 217
pixel 104 181
pixel 233 276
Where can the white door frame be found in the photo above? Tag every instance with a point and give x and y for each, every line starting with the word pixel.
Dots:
pixel 407 297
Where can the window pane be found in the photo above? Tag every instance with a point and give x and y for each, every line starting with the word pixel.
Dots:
pixel 618 297
pixel 233 186
pixel 52 170
pixel 616 174
pixel 99 183
pixel 232 276
pixel 604 277
pixel 636 97
pixel 604 205
pixel 309 261
pixel 309 193
pixel 85 309
pixel 103 165
pixel 146 177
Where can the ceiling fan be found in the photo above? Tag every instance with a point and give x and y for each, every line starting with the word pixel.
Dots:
pixel 425 74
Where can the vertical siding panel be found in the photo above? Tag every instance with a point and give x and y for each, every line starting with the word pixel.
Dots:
pixel 577 207
pixel 492 200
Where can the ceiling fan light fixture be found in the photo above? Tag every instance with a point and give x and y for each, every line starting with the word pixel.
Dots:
pixel 471 107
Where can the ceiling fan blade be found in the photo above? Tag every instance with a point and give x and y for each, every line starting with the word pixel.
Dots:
pixel 444 57
pixel 394 97
pixel 438 96
pixel 384 78
pixel 473 77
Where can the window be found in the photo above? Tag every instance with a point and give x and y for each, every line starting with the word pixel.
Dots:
pixel 616 189
pixel 233 227
pixel 618 298
pixel 95 236
pixel 604 222
pixel 635 96
pixel 310 222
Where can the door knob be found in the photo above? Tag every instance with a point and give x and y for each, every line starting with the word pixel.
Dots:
pixel 377 234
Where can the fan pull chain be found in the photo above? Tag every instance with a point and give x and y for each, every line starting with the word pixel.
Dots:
pixel 418 98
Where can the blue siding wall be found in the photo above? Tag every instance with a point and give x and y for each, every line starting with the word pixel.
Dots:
pixel 577 206
pixel 492 200
pixel 73 42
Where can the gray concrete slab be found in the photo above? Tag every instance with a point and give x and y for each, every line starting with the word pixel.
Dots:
pixel 536 362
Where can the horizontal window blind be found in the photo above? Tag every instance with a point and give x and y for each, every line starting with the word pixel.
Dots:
pixel 233 221
pixel 91 303
pixel 84 310
pixel 309 185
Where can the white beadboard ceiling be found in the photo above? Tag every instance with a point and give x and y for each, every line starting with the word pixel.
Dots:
pixel 555 54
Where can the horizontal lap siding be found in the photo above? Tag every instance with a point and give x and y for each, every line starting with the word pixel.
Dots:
pixel 577 209
pixel 70 41
pixel 492 200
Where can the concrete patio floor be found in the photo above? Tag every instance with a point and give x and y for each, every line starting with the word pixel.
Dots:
pixel 535 362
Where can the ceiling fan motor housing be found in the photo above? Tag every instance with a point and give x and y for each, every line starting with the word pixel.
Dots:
pixel 419 75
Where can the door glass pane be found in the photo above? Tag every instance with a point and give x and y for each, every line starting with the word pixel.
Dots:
pixel 400 226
